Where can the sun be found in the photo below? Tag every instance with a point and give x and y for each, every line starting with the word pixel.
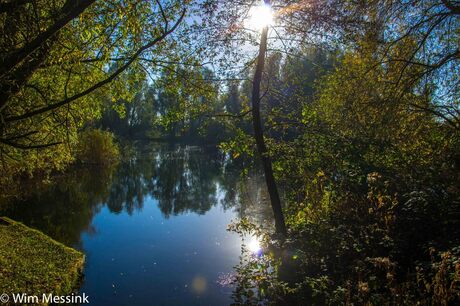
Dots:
pixel 259 17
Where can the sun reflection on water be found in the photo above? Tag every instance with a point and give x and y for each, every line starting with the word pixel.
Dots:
pixel 254 245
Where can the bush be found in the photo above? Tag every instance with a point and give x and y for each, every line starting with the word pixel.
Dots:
pixel 97 147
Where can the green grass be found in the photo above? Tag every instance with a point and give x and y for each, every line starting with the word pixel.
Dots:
pixel 33 263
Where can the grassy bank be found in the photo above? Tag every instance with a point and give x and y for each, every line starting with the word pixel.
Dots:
pixel 33 263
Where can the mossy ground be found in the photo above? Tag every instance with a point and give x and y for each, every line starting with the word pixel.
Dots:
pixel 33 263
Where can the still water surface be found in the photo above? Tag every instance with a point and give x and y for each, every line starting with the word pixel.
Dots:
pixel 153 228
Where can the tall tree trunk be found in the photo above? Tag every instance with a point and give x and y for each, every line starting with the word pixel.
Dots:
pixel 259 137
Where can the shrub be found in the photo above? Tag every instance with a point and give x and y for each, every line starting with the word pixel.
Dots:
pixel 97 147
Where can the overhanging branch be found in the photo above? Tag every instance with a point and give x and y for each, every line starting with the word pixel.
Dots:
pixel 101 83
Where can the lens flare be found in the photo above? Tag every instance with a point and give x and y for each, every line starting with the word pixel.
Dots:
pixel 199 284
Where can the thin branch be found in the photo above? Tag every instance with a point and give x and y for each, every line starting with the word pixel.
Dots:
pixel 163 15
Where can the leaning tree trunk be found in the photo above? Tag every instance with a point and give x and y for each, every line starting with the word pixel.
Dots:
pixel 259 137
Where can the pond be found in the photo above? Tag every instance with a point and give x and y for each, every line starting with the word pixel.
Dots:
pixel 153 228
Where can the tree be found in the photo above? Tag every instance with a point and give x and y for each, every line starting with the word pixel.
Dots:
pixel 61 58
pixel 259 136
pixel 232 98
pixel 431 27
pixel 185 93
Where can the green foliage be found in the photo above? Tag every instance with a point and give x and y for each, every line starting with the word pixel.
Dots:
pixel 97 147
pixel 133 117
pixel 186 94
pixel 370 178
pixel 62 60
pixel 29 163
pixel 178 105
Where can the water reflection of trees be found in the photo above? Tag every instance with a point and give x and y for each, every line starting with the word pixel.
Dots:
pixel 63 208
pixel 181 178
pixel 185 184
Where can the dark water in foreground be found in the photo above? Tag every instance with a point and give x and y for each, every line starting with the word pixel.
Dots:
pixel 153 228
